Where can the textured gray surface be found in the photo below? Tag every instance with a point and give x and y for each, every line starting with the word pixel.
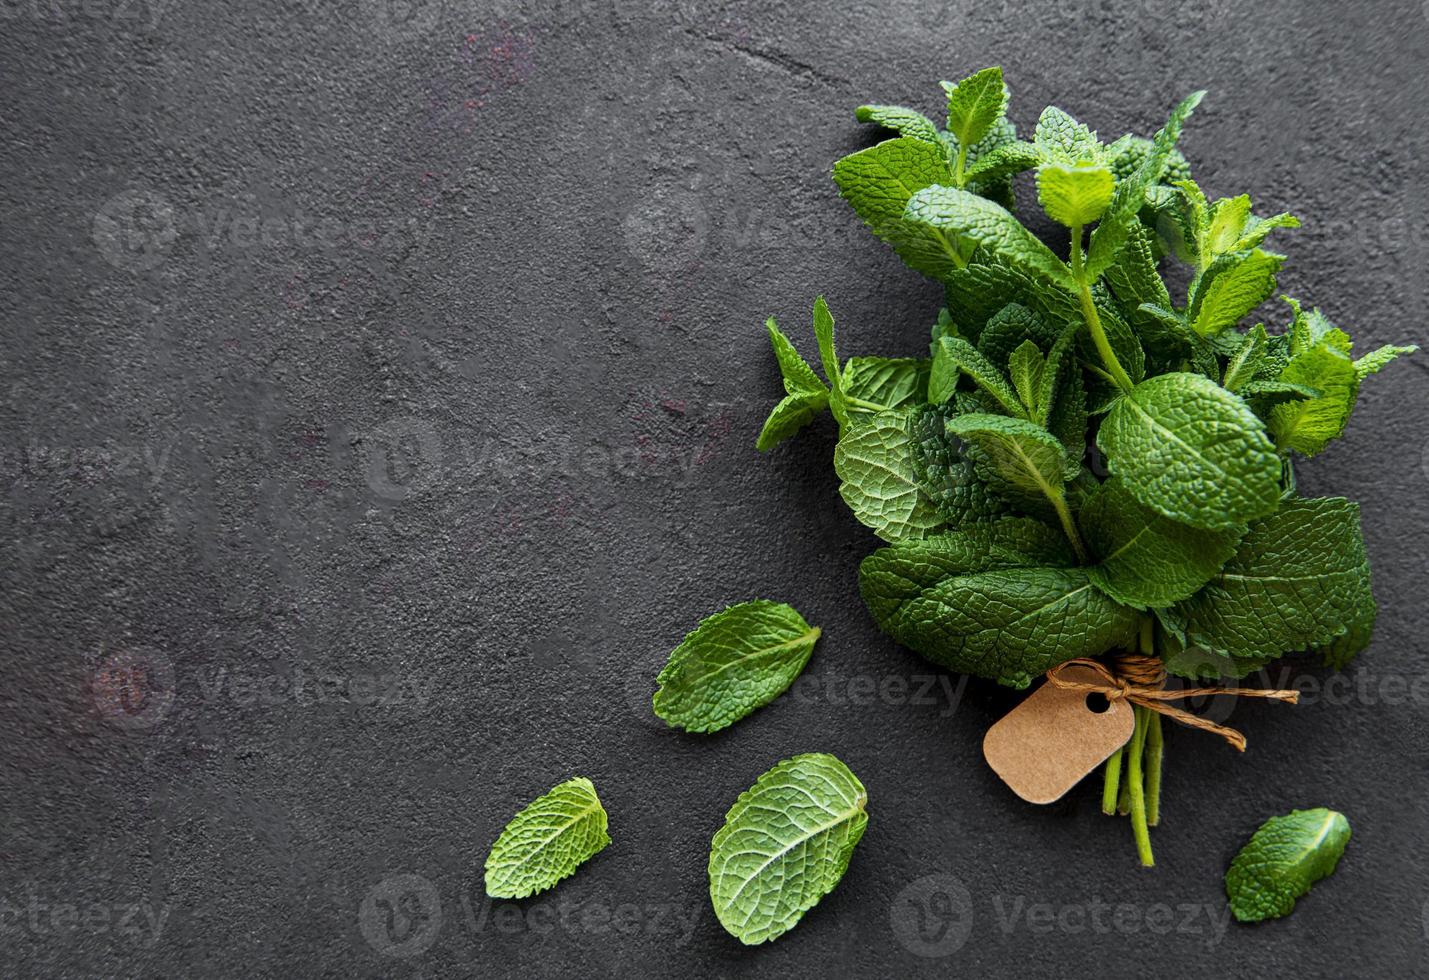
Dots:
pixel 415 348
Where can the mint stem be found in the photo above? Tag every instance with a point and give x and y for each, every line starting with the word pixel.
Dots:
pixel 1153 770
pixel 1069 527
pixel 1135 777
pixel 1094 321
pixel 1111 785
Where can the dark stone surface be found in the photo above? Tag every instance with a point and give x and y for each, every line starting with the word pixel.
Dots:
pixel 417 347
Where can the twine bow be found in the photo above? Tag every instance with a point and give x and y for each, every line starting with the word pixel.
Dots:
pixel 1140 680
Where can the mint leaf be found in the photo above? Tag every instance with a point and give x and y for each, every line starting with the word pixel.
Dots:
pixel 547 841
pixel 1298 579
pixel 874 462
pixel 880 181
pixel 789 416
pixel 907 122
pixel 885 382
pixel 1234 286
pixel 980 611
pixel 1309 425
pixel 945 476
pixel 1074 194
pixel 1241 368
pixel 1026 366
pixel 960 214
pixel 1192 451
pixel 734 662
pixel 1061 139
pixel 1004 161
pixel 975 104
pixel 828 354
pixel 1376 360
pixel 1017 458
pixel 1283 859
pixel 1009 327
pixel 953 357
pixel 799 378
pixel 1147 561
pixel 784 845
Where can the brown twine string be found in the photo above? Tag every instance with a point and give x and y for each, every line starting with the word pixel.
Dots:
pixel 1140 680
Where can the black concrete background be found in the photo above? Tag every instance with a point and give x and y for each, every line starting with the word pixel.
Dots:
pixel 380 389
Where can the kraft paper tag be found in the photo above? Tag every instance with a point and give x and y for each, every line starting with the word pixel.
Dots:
pixel 1051 741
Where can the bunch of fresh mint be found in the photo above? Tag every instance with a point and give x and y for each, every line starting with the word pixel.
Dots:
pixel 1007 552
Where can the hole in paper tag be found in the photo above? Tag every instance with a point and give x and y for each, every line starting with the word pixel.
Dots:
pixel 1051 741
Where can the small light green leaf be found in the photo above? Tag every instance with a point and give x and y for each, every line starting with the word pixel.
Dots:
pixel 987 612
pixel 1074 194
pixel 1192 451
pixel 1283 859
pixel 1006 160
pixel 1018 458
pixel 1247 360
pixel 953 357
pixel 785 844
pixel 1257 229
pixel 799 378
pixel 1228 218
pixel 874 462
pixel 960 214
pixel 828 354
pixel 1147 561
pixel 547 841
pixel 907 122
pixel 789 416
pixel 1376 360
pixel 734 662
pixel 1309 425
pixel 1233 287
pixel 1299 579
pixel 975 104
pixel 1061 139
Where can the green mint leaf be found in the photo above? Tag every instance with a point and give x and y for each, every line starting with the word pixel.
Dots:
pixel 982 612
pixel 953 357
pixel 1192 451
pixel 1227 220
pixel 1126 203
pixel 799 378
pixel 975 104
pixel 1004 161
pixel 1134 279
pixel 1009 327
pixel 1263 394
pixel 1309 425
pixel 906 122
pixel 1283 859
pixel 960 214
pixel 1074 194
pixel 1061 139
pixel 1359 629
pixel 784 845
pixel 1313 329
pixel 1147 561
pixel 1232 287
pixel 1298 580
pixel 1062 405
pixel 1376 360
pixel 1241 368
pixel 547 841
pixel 887 382
pixel 1026 367
pixel 1257 229
pixel 980 291
pixel 734 662
pixel 874 463
pixel 945 476
pixel 1018 458
pixel 789 416
pixel 879 181
pixel 828 354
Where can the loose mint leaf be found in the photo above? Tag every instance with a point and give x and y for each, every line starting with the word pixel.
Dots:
pixel 784 845
pixel 1298 580
pixel 874 462
pixel 1247 360
pixel 547 841
pixel 1284 858
pixel 975 104
pixel 1234 287
pixel 788 417
pixel 1019 459
pixel 982 612
pixel 1309 425
pixel 880 181
pixel 1192 451
pixel 1147 561
pixel 1009 327
pixel 959 214
pixel 1376 360
pixel 906 121
pixel 1061 139
pixel 1006 160
pixel 734 662
pixel 953 357
pixel 828 354
pixel 1074 194
pixel 1111 233
pixel 889 382
pixel 799 378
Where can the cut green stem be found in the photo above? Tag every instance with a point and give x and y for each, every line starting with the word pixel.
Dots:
pixel 1135 777
pixel 1153 770
pixel 1111 785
